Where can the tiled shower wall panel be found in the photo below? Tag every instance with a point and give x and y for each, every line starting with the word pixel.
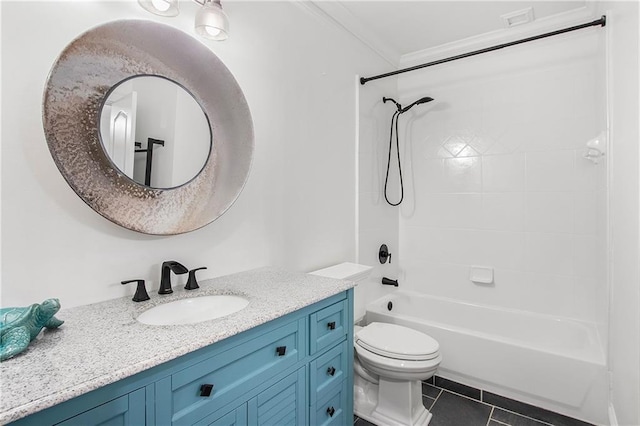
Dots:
pixel 496 178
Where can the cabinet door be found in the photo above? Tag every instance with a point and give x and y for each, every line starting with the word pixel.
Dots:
pixel 127 410
pixel 282 404
pixel 236 417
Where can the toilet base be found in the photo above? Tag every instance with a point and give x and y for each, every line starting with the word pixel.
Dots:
pixel 390 403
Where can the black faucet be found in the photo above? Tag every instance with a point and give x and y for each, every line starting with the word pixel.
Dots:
pixel 165 279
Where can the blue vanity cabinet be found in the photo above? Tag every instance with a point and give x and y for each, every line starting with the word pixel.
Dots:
pixel 294 370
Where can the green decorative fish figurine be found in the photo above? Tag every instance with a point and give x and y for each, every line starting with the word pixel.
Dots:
pixel 19 326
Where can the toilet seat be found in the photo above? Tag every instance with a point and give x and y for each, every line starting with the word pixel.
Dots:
pixel 397 342
pixel 396 368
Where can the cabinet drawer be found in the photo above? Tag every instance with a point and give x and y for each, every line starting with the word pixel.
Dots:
pixel 327 371
pixel 330 410
pixel 328 326
pixel 230 373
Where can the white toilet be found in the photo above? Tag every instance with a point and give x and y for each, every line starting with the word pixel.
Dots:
pixel 390 363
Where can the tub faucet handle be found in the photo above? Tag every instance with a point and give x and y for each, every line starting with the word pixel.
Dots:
pixel 383 254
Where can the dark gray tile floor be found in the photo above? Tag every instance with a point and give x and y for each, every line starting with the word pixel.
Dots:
pixel 455 404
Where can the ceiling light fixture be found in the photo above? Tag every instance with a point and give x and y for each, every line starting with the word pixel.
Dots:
pixel 161 7
pixel 211 21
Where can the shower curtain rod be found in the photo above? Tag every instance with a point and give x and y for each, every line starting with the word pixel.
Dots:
pixel 598 22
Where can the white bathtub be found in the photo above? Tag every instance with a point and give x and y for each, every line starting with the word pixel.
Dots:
pixel 553 363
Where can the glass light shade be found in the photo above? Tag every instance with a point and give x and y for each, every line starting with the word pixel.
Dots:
pixel 161 7
pixel 212 22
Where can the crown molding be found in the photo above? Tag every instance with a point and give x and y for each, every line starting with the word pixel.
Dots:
pixel 551 23
pixel 338 15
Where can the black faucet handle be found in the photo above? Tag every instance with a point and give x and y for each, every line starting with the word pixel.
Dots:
pixel 383 254
pixel 192 283
pixel 141 291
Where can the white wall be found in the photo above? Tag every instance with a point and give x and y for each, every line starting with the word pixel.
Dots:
pixel 192 138
pixel 624 326
pixel 156 118
pixel 297 210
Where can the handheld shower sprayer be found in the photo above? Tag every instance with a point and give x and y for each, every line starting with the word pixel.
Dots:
pixel 405 109
pixel 418 102
pixel 395 117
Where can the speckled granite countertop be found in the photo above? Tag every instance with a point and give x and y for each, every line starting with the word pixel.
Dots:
pixel 102 343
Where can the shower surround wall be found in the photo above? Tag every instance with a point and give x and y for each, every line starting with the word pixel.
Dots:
pixel 495 176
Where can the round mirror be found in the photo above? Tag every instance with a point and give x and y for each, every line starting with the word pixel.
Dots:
pixel 154 131
pixel 85 131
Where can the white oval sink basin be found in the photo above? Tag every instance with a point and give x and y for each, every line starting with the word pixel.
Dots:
pixel 193 310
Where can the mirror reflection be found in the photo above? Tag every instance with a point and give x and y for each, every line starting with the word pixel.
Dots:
pixel 155 132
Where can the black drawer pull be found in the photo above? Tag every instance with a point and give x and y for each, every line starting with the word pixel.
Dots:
pixel 331 411
pixel 281 350
pixel 331 371
pixel 331 325
pixel 205 390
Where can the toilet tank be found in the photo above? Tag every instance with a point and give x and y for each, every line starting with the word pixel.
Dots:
pixel 345 271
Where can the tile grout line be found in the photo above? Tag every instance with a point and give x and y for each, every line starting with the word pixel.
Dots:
pixel 490 414
pixel 525 416
pixel 436 400
pixel 465 396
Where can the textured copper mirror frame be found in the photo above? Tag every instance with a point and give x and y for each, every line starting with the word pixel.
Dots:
pixel 80 78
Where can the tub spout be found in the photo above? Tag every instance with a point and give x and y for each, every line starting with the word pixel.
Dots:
pixel 388 281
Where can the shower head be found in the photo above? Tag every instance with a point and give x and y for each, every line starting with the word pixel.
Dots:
pixel 418 102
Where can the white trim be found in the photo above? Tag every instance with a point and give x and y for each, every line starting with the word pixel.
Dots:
pixel 357 167
pixel 551 23
pixel 609 228
pixel 338 15
pixel 613 420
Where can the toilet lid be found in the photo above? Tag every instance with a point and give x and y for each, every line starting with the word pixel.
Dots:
pixel 398 342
